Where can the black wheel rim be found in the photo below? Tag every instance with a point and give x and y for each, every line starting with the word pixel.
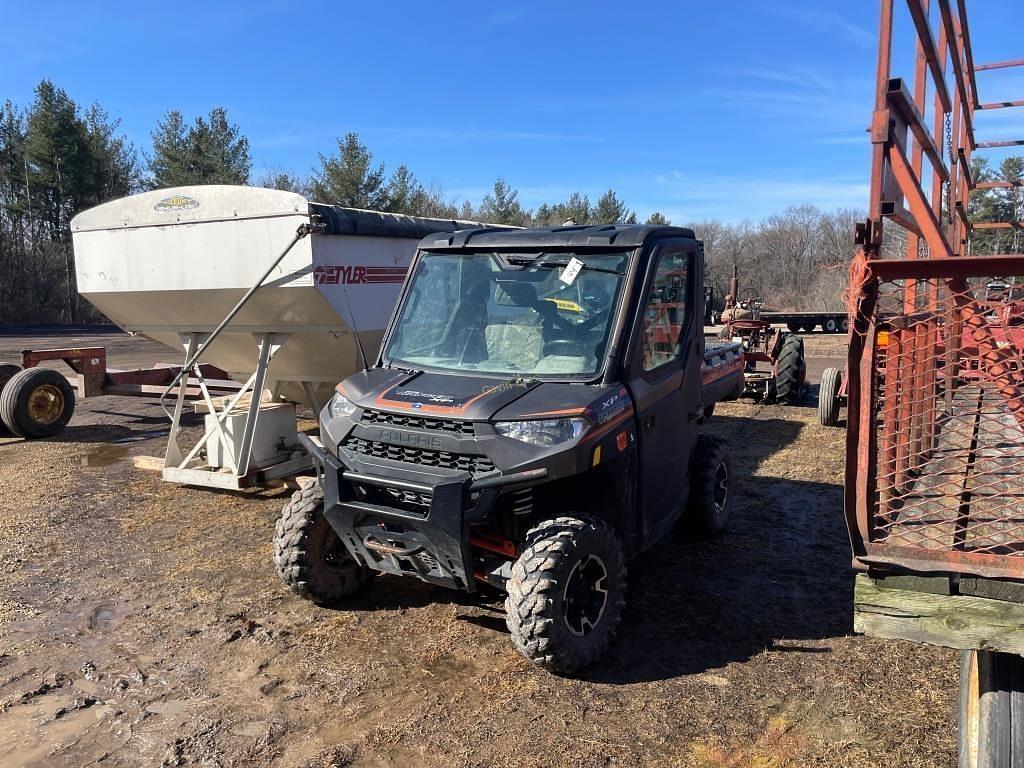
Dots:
pixel 332 551
pixel 586 595
pixel 721 487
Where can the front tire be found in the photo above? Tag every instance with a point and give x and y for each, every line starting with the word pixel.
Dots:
pixel 310 558
pixel 828 397
pixel 790 371
pixel 991 710
pixel 566 593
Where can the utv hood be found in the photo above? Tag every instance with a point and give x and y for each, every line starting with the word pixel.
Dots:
pixel 474 398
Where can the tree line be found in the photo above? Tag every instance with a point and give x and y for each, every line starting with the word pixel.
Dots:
pixel 58 158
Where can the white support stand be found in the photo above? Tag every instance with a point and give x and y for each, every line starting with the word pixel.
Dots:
pixel 239 472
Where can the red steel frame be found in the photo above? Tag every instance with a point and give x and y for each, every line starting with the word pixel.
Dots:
pixel 938 242
pixel 94 378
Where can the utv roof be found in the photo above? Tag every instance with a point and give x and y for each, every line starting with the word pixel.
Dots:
pixel 577 236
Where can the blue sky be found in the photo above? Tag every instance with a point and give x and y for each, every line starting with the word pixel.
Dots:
pixel 725 109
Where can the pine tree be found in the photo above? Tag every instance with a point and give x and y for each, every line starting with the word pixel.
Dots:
pixel 169 164
pixel 501 206
pixel 611 210
pixel 349 177
pixel 404 194
pixel 277 178
pixel 576 208
pixel 658 218
pixel 211 151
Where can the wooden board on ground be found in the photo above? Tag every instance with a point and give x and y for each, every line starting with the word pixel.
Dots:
pixel 148 462
pixel 950 621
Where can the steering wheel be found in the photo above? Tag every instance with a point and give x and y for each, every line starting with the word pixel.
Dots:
pixel 592 322
pixel 750 299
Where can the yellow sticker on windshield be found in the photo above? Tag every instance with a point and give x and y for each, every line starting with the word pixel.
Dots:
pixel 568 306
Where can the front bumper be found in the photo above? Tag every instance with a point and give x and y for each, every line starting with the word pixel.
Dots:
pixel 429 538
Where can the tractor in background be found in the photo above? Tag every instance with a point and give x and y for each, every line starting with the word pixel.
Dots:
pixel 775 370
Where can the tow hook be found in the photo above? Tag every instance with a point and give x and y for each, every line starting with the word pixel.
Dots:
pixel 389 549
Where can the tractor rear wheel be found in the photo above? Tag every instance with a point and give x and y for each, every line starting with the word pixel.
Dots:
pixel 711 486
pixel 566 593
pixel 991 710
pixel 36 402
pixel 790 371
pixel 311 559
pixel 828 397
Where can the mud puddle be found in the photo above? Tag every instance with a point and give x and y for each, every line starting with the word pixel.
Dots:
pixel 105 456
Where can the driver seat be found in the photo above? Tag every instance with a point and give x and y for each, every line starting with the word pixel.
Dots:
pixel 514 342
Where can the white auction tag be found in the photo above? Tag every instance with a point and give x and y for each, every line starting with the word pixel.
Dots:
pixel 572 269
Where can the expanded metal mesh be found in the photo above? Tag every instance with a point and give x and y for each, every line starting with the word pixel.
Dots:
pixel 949 409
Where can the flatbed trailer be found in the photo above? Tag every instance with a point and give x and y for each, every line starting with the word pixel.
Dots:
pixel 808 322
pixel 934 385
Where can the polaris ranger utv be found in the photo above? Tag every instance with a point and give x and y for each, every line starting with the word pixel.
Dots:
pixel 530 423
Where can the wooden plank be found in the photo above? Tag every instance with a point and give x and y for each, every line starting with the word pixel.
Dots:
pixel 148 462
pixel 948 621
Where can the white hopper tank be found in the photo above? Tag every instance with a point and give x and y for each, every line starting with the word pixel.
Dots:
pixel 173 262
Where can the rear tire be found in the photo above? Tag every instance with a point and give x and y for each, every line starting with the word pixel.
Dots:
pixel 310 558
pixel 991 710
pixel 36 402
pixel 790 371
pixel 711 488
pixel 828 397
pixel 566 593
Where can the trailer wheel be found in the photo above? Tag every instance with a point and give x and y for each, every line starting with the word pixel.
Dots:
pixel 790 371
pixel 566 593
pixel 7 371
pixel 36 402
pixel 828 397
pixel 844 325
pixel 808 327
pixel 711 488
pixel 310 558
pixel 831 325
pixel 793 327
pixel 991 710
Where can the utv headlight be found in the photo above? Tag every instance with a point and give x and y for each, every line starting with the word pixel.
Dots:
pixel 341 406
pixel 543 433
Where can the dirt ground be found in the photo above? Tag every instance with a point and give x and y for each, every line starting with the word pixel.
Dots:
pixel 142 624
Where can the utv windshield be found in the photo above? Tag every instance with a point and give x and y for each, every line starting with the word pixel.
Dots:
pixel 544 314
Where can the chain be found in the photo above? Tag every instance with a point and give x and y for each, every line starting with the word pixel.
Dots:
pixel 952 165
